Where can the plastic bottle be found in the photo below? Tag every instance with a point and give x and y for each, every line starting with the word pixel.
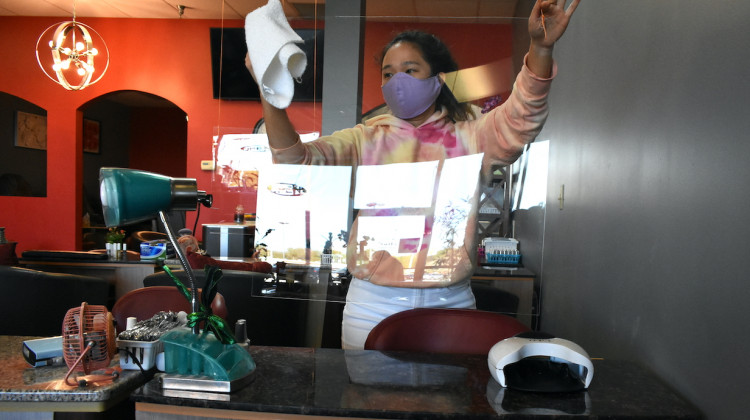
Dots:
pixel 240 333
pixel 239 214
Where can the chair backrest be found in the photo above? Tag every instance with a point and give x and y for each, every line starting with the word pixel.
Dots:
pixel 148 301
pixel 270 321
pixel 455 331
pixel 34 302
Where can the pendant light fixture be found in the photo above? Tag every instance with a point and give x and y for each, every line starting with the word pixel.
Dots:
pixel 72 50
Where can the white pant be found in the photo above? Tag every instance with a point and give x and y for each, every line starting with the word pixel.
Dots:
pixel 367 304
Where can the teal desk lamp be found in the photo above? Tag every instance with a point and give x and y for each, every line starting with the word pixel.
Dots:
pixel 197 361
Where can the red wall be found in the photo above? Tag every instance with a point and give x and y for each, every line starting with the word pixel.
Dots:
pixel 171 59
pixel 471 45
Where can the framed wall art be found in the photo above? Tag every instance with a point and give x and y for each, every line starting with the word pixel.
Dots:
pixel 91 129
pixel 31 130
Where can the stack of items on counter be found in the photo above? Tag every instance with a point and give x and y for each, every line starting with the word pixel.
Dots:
pixel 502 251
pixel 139 344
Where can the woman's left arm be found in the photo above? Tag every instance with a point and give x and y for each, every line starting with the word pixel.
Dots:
pixel 547 23
pixel 519 120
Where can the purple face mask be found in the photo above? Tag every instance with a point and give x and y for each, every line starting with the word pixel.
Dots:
pixel 408 96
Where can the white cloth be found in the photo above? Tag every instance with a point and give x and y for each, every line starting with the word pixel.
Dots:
pixel 367 304
pixel 276 59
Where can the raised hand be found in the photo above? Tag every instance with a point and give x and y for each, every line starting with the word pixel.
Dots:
pixel 549 19
pixel 547 23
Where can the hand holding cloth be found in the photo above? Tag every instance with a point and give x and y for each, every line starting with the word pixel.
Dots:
pixel 275 57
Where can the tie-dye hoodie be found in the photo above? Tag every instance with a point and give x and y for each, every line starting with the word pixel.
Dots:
pixel 501 135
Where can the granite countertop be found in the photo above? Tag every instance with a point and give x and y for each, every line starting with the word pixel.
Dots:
pixel 371 384
pixel 21 383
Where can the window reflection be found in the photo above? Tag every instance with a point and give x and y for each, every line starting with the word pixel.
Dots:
pixel 303 208
pixel 420 235
pixel 532 182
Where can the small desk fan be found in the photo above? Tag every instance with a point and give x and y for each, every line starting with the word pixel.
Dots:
pixel 88 339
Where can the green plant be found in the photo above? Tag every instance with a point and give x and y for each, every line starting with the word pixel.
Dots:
pixel 328 247
pixel 261 248
pixel 213 323
pixel 261 251
pixel 115 235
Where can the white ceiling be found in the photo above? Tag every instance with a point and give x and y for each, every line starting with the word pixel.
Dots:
pixel 424 10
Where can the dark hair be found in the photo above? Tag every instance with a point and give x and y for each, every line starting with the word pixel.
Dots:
pixel 440 59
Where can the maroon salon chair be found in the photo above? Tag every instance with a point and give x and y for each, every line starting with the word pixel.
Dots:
pixel 148 301
pixel 454 331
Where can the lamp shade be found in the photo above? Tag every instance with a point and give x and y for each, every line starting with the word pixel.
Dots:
pixel 131 195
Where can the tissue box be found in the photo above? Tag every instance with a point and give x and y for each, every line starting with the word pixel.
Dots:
pixel 500 245
pixel 144 352
pixel 502 251
pixel 160 249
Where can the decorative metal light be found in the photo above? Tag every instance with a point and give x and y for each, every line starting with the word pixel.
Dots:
pixel 73 53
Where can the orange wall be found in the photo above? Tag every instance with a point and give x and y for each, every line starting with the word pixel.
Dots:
pixel 171 59
pixel 168 58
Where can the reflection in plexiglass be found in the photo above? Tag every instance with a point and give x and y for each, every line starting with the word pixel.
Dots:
pixel 411 223
pixel 240 158
pixel 301 209
pixel 418 233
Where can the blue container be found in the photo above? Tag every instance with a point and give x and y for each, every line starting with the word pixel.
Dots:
pixel 510 259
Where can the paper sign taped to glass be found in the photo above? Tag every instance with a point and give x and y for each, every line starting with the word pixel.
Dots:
pixel 240 158
pixel 415 223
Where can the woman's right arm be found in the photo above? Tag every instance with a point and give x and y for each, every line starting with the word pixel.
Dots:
pixel 340 148
pixel 280 131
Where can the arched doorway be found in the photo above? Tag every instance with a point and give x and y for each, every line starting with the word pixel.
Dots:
pixel 128 129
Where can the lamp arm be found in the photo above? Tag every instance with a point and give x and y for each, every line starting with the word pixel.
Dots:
pixel 185 265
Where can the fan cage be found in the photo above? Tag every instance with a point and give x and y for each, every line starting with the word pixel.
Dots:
pixel 88 323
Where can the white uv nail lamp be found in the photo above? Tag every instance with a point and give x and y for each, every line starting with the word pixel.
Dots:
pixel 540 362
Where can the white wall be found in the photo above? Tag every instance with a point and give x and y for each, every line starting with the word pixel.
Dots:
pixel 649 134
